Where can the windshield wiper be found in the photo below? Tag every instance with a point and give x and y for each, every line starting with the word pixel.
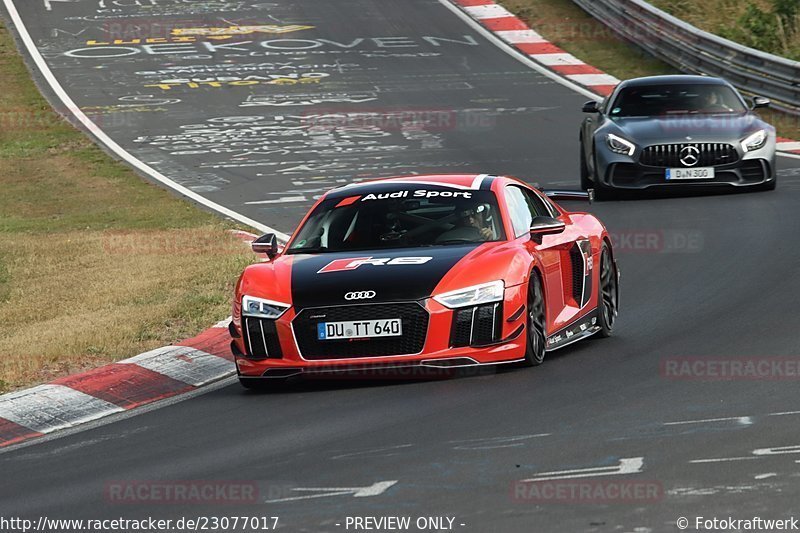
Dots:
pixel 455 241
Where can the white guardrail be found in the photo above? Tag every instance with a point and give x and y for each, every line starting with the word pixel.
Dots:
pixel 690 49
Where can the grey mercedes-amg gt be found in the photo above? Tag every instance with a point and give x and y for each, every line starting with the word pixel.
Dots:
pixel 667 131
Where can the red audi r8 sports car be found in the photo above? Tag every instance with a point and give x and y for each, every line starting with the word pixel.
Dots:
pixel 436 271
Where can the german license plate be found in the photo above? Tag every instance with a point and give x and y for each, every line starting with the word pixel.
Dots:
pixel 361 329
pixel 701 173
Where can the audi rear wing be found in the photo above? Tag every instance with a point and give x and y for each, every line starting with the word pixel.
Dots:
pixel 560 194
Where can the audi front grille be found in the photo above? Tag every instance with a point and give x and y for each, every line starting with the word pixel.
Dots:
pixel 413 316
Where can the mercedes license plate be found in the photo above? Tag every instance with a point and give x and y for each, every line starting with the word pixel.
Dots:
pixel 701 173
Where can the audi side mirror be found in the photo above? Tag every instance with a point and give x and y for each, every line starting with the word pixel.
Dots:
pixel 760 102
pixel 559 195
pixel 592 106
pixel 266 244
pixel 541 226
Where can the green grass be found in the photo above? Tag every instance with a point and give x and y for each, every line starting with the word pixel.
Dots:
pixel 769 25
pixel 568 26
pixel 96 264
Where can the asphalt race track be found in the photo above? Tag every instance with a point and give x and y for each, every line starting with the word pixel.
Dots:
pixel 702 277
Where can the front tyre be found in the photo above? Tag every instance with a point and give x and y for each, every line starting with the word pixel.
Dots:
pixel 609 293
pixel 536 337
pixel 601 192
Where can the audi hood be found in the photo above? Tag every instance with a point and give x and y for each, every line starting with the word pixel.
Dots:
pixel 375 276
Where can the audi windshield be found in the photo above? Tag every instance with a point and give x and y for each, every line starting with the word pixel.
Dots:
pixel 400 218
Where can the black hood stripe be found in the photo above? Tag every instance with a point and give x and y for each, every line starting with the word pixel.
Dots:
pixel 389 273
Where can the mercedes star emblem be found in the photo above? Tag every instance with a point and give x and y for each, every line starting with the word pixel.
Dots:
pixel 690 156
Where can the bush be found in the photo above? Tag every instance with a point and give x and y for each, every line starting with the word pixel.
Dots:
pixel 787 10
pixel 774 31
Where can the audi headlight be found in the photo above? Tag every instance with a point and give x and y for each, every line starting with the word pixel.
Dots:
pixel 475 295
pixel 755 141
pixel 619 145
pixel 259 307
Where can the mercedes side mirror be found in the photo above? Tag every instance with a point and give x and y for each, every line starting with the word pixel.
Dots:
pixel 541 226
pixel 592 106
pixel 760 102
pixel 266 244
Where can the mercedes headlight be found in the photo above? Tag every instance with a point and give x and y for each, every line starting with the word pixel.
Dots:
pixel 475 295
pixel 755 141
pixel 261 308
pixel 619 145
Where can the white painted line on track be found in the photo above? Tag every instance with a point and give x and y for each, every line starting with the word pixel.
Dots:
pixel 492 443
pixel 630 465
pixel 376 489
pixel 785 413
pixel 109 143
pixel 744 420
pixel 386 451
pixel 710 491
pixel 47 408
pixel 780 450
pixel 722 460
pixel 184 363
pixel 766 476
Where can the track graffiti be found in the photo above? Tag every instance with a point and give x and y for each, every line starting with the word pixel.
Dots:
pixel 247 81
pixel 286 100
pixel 253 48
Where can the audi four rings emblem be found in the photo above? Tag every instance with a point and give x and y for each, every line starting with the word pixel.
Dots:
pixel 690 156
pixel 359 295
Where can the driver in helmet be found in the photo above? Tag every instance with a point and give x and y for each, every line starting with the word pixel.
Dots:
pixel 470 225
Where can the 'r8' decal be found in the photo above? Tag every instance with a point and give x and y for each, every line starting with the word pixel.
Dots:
pixel 339 265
